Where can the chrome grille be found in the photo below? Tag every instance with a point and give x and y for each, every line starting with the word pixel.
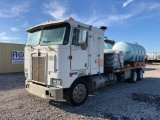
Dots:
pixel 38 69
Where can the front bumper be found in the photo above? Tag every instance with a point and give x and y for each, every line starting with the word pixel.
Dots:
pixel 44 92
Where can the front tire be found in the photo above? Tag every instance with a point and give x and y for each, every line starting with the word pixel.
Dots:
pixel 78 93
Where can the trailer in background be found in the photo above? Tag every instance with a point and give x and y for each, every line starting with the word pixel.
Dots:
pixel 153 57
pixel 158 56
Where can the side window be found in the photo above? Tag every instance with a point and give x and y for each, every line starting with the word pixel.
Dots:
pixel 76 36
pixel 79 37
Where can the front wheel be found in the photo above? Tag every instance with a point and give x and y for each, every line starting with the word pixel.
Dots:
pixel 78 93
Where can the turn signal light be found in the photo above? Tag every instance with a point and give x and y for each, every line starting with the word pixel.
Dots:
pixel 70 18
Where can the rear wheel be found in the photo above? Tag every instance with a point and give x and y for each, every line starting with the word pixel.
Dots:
pixel 139 74
pixel 78 93
pixel 133 78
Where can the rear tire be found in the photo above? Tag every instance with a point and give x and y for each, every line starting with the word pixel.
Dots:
pixel 78 93
pixel 133 78
pixel 139 74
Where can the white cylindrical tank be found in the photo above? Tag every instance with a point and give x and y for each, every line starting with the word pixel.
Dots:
pixel 132 51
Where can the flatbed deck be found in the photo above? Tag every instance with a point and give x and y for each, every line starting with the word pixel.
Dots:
pixel 127 66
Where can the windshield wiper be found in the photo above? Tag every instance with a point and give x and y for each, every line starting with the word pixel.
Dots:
pixel 47 41
pixel 31 46
pixel 49 44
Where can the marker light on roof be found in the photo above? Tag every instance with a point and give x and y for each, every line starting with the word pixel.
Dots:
pixel 70 18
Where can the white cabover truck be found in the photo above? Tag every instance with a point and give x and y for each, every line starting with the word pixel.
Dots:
pixel 65 60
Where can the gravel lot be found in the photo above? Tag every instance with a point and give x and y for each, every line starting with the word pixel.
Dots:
pixel 121 101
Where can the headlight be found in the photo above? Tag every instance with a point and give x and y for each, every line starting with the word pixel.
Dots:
pixel 56 81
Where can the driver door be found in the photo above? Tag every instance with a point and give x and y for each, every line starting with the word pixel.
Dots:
pixel 79 49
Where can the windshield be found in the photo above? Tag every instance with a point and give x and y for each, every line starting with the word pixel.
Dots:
pixel 33 38
pixel 52 35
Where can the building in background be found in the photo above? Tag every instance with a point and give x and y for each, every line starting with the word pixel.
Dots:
pixel 11 58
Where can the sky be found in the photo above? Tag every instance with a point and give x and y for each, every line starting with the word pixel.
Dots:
pixel 126 20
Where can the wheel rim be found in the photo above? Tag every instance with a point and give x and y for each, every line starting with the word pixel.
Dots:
pixel 135 76
pixel 79 93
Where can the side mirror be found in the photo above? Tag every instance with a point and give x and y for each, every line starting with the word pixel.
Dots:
pixel 83 39
pixel 80 38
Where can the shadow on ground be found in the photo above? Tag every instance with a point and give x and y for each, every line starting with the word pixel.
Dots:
pixel 87 111
pixel 147 98
pixel 149 69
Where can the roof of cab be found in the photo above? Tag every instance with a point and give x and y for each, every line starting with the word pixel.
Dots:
pixel 45 24
pixel 69 20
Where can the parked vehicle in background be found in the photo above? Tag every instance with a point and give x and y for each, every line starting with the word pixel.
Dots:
pixel 66 60
pixel 153 56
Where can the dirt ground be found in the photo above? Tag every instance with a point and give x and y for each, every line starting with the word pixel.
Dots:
pixel 121 101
